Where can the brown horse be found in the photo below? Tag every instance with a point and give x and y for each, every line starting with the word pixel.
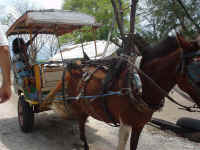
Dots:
pixel 159 62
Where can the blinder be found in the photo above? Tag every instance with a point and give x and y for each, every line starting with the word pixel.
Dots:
pixel 190 68
pixel 187 65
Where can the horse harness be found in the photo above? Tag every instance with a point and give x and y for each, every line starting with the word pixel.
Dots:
pixel 113 67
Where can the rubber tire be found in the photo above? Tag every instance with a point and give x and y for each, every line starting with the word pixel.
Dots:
pixel 189 123
pixel 25 115
pixel 169 126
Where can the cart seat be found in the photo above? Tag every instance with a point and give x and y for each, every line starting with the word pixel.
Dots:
pixel 48 77
pixel 51 76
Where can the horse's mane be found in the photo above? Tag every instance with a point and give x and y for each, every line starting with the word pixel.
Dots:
pixel 161 49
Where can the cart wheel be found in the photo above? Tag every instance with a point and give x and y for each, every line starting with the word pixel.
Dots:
pixel 25 115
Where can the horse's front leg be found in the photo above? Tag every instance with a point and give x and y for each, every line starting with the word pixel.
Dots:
pixel 135 134
pixel 123 136
pixel 83 138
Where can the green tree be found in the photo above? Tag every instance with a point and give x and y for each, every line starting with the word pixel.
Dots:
pixel 161 17
pixel 102 10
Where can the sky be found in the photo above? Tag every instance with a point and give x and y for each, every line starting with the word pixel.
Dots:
pixel 48 3
pixel 7 5
pixel 42 3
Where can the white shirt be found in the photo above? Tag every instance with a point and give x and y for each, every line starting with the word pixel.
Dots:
pixel 3 38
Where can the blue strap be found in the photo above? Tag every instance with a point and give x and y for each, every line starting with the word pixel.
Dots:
pixel 110 93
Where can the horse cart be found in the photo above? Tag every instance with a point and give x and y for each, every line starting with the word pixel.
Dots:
pixel 108 89
pixel 35 81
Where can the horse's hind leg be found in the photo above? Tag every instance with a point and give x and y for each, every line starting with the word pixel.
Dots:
pixel 83 138
pixel 135 134
pixel 123 136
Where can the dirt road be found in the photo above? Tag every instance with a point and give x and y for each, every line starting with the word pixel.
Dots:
pixel 53 133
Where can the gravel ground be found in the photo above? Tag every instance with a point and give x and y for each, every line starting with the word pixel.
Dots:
pixel 53 133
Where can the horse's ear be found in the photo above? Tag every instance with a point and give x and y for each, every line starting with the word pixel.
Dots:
pixel 183 43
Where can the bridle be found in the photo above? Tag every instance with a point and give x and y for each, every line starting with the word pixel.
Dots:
pixel 190 109
pixel 181 69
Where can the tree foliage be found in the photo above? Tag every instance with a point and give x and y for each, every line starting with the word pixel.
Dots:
pixel 161 17
pixel 102 10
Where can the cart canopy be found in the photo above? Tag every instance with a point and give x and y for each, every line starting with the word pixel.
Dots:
pixel 51 22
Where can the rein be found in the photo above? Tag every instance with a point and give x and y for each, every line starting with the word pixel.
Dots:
pixel 137 100
pixel 165 93
pixel 93 97
pixel 182 68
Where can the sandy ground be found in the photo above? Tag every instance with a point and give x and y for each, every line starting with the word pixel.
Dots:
pixel 53 133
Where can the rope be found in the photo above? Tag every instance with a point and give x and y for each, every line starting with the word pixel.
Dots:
pixel 85 56
pixel 110 93
pixel 59 46
pixel 82 43
pixel 60 50
pixel 109 36
pixel 165 93
pixel 95 44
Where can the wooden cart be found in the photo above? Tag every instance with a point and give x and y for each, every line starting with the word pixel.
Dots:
pixel 35 88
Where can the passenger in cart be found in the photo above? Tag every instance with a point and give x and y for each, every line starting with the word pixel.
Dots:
pixel 22 68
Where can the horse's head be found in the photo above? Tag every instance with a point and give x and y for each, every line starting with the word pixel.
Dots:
pixel 164 63
pixel 188 72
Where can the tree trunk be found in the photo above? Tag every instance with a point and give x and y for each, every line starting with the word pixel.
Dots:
pixel 131 45
pixel 118 19
pixel 128 41
pixel 132 16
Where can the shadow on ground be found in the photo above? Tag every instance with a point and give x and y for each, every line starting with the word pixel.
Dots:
pixel 50 133
pixel 189 133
